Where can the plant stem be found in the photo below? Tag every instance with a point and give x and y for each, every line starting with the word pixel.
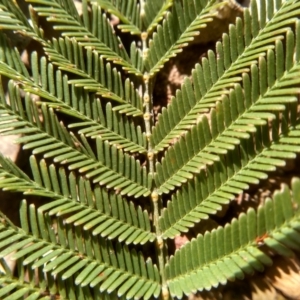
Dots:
pixel 160 246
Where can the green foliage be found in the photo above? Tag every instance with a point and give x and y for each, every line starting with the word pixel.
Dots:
pixel 115 185
pixel 196 265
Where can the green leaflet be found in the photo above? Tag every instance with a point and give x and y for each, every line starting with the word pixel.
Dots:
pixel 101 39
pixel 78 103
pixel 128 12
pixel 67 55
pixel 96 76
pixel 155 12
pixel 247 164
pixel 14 289
pixel 234 118
pixel 177 31
pixel 221 71
pixel 230 252
pixel 109 216
pixel 73 255
pixel 118 183
pixel 55 141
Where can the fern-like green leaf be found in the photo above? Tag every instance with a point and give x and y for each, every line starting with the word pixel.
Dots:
pixel 37 244
pixel 66 149
pixel 217 75
pixel 83 105
pixel 128 12
pixel 114 182
pixel 102 39
pixel 154 12
pixel 234 118
pixel 14 288
pixel 67 55
pixel 109 215
pixel 232 251
pixel 116 129
pixel 245 165
pixel 95 76
pixel 177 31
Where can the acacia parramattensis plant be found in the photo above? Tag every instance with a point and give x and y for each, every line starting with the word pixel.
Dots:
pixel 119 185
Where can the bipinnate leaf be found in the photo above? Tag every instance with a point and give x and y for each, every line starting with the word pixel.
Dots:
pixel 109 215
pixel 269 90
pixel 57 143
pixel 177 30
pixel 76 256
pixel 114 176
pixel 247 41
pixel 67 55
pixel 65 18
pixel 231 252
pixel 245 165
pixel 154 12
pixel 128 13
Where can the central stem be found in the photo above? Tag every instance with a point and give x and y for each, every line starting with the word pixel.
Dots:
pixel 155 197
